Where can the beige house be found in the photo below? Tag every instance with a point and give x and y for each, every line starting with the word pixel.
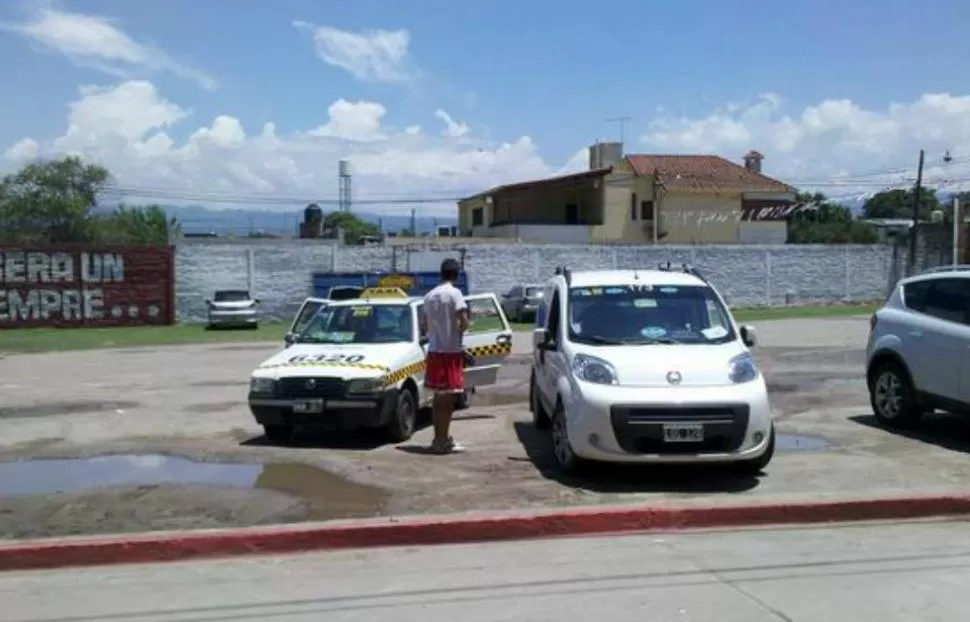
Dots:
pixel 638 199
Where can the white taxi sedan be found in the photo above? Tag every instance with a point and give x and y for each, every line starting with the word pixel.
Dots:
pixel 360 364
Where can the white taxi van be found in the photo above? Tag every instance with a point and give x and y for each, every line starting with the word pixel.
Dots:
pixel 647 366
pixel 359 363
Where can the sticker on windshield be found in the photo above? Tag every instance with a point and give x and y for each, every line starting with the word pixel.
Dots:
pixel 653 332
pixel 669 290
pixel 714 332
pixel 362 311
pixel 644 303
pixel 612 291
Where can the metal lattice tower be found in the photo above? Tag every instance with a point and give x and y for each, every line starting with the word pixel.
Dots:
pixel 345 186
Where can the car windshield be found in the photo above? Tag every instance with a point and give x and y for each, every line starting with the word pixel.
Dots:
pixel 646 314
pixel 531 292
pixel 231 296
pixel 360 323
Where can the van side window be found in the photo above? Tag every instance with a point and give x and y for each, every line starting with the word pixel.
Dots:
pixel 554 316
pixel 541 311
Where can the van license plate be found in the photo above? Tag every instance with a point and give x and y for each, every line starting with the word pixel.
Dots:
pixel 309 406
pixel 683 433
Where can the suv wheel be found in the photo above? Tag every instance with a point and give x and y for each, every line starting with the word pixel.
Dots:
pixel 540 418
pixel 279 433
pixel 562 449
pixel 892 397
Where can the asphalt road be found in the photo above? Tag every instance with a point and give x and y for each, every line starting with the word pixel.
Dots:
pixel 190 402
pixel 861 573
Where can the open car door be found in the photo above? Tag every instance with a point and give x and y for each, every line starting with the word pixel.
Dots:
pixel 488 339
pixel 307 310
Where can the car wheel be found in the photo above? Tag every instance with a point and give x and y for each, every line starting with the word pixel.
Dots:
pixel 462 400
pixel 757 465
pixel 892 397
pixel 540 418
pixel 402 424
pixel 279 433
pixel 562 449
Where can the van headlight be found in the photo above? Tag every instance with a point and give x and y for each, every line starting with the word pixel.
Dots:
pixel 365 385
pixel 262 385
pixel 593 369
pixel 743 369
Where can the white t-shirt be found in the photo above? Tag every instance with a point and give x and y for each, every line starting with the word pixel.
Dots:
pixel 441 307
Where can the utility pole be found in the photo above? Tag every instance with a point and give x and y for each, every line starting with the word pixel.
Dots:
pixel 957 224
pixel 414 222
pixel 622 121
pixel 914 231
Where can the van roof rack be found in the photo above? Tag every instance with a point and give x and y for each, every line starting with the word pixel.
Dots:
pixel 566 274
pixel 949 268
pixel 686 268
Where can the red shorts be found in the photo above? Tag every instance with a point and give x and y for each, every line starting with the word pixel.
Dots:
pixel 445 372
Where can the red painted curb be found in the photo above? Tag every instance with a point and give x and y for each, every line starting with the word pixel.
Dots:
pixel 176 546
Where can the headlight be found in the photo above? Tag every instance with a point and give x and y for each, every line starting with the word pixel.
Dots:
pixel 262 385
pixel 593 369
pixel 365 385
pixel 743 369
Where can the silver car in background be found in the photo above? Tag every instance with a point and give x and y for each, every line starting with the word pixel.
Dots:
pixel 520 302
pixel 232 308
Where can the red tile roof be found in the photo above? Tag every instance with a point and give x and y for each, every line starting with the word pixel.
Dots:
pixel 704 172
pixel 522 185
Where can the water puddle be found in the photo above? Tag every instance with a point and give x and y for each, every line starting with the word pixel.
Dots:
pixel 800 442
pixel 328 495
pixel 63 408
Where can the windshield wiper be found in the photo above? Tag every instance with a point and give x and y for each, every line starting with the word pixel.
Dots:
pixel 603 340
pixel 667 341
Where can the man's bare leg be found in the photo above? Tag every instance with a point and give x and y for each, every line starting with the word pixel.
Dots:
pixel 442 409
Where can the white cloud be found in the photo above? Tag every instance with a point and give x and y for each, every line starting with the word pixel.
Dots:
pixel 452 128
pixel 358 121
pixel 129 128
pixel 99 43
pixel 836 146
pixel 369 56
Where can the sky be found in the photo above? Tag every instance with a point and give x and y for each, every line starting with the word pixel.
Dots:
pixel 254 102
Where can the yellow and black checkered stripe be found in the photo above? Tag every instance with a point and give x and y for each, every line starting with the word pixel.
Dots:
pixel 405 372
pixel 341 364
pixel 491 350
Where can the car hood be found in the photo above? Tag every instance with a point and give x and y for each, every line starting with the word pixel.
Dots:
pixel 649 365
pixel 346 361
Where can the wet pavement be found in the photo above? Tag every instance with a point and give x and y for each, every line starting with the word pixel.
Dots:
pixel 328 496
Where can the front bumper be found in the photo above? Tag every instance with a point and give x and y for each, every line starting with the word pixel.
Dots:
pixel 351 413
pixel 627 424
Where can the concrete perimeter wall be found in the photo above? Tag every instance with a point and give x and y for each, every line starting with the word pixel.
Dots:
pixel 279 272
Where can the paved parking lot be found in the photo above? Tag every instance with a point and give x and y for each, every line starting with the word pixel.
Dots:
pixel 189 402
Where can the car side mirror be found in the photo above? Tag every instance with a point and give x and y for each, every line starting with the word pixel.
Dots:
pixel 749 336
pixel 208 302
pixel 423 340
pixel 258 301
pixel 290 338
pixel 547 340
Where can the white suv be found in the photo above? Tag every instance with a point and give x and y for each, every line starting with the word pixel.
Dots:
pixel 647 366
pixel 918 354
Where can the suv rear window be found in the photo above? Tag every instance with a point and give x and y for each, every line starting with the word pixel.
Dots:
pixel 914 295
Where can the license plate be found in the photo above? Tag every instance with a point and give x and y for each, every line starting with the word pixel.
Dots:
pixel 683 433
pixel 311 406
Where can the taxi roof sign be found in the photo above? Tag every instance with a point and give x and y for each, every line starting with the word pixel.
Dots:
pixel 383 292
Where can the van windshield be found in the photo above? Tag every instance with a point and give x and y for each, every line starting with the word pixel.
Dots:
pixel 647 314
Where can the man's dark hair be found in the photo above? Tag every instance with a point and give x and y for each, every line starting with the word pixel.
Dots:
pixel 450 269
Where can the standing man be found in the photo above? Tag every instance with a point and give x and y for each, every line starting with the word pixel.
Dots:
pixel 446 320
